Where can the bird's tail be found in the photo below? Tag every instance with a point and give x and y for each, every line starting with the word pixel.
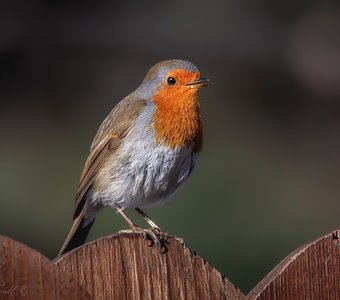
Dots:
pixel 78 232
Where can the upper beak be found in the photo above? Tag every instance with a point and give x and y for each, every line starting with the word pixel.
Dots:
pixel 198 83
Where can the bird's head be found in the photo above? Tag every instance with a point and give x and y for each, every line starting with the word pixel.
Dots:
pixel 174 78
pixel 173 86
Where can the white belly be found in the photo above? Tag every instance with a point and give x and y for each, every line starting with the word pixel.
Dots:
pixel 147 175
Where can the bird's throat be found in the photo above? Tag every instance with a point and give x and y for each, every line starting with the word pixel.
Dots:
pixel 177 119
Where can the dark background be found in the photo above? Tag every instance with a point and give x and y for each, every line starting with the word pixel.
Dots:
pixel 268 177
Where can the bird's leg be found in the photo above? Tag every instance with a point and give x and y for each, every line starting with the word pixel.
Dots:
pixel 132 225
pixel 157 232
pixel 147 219
pixel 148 233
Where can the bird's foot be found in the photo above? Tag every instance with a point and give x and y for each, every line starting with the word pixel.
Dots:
pixel 161 234
pixel 158 237
pixel 154 234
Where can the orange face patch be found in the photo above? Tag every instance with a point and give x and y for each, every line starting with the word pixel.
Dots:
pixel 177 117
pixel 182 77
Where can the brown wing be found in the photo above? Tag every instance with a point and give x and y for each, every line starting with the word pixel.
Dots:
pixel 108 138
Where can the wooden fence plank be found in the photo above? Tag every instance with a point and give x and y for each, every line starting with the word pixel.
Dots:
pixel 124 266
pixel 310 272
pixel 27 274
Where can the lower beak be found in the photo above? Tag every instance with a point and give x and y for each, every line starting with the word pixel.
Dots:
pixel 200 82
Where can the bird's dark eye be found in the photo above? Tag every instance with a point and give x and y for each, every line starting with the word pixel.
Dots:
pixel 171 81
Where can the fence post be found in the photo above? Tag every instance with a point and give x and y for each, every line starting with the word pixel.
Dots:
pixel 124 266
pixel 27 274
pixel 310 272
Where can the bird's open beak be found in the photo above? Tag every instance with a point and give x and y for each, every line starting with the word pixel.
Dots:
pixel 200 82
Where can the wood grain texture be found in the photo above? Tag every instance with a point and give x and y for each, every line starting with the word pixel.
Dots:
pixel 27 274
pixel 310 272
pixel 124 266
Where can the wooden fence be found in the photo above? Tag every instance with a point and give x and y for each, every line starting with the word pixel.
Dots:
pixel 124 266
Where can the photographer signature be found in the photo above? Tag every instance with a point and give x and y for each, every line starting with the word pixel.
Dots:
pixel 20 290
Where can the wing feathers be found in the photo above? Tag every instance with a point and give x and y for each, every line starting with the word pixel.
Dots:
pixel 107 140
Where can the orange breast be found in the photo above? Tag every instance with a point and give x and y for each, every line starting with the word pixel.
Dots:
pixel 177 117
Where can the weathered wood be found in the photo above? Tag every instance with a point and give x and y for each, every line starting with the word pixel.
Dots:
pixel 310 272
pixel 124 266
pixel 26 274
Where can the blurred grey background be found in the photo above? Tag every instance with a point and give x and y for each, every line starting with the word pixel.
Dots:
pixel 268 177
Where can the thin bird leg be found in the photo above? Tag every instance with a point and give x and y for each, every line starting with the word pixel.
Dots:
pixel 162 236
pixel 147 219
pixel 132 225
pixel 148 233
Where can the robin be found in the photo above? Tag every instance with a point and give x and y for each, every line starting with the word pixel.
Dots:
pixel 144 151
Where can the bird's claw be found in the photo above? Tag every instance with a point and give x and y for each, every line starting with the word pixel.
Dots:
pixel 156 236
pixel 161 234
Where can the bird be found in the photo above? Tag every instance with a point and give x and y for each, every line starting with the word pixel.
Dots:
pixel 144 151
